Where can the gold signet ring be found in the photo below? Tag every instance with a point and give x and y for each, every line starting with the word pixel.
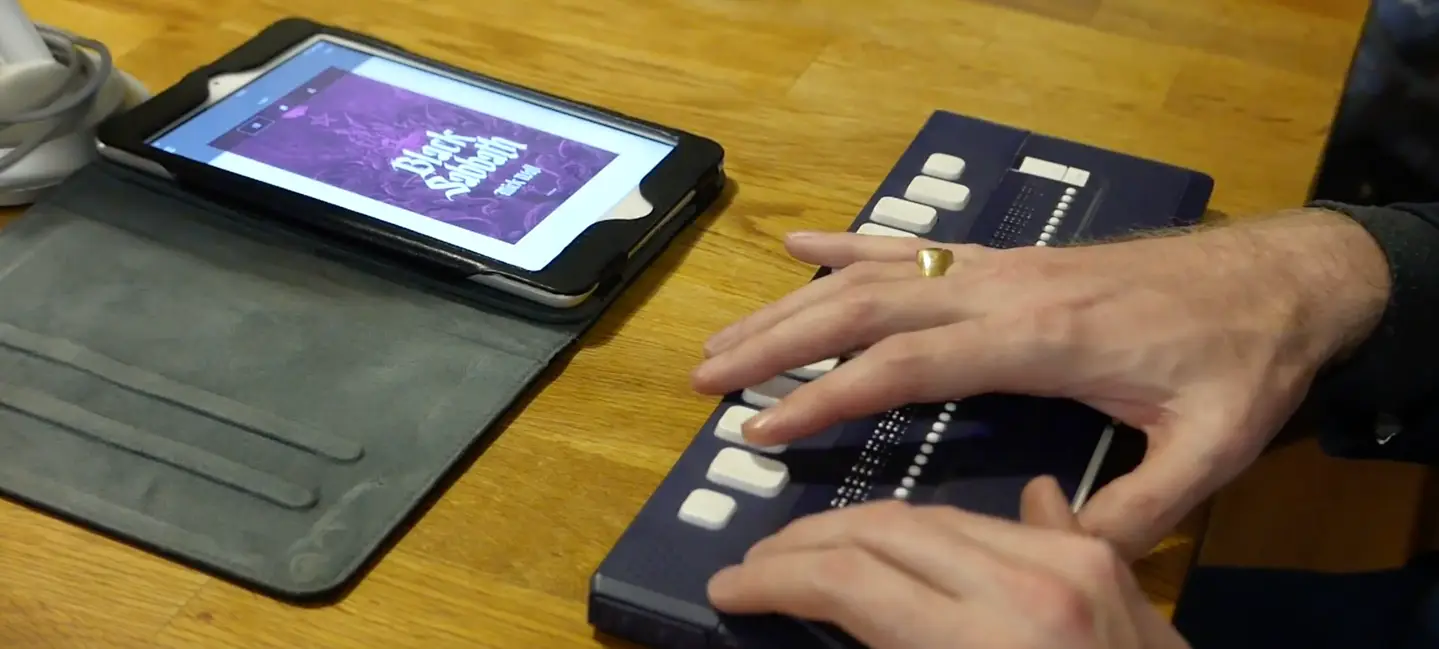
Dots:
pixel 934 262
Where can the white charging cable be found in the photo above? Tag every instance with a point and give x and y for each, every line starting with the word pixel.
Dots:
pixel 68 106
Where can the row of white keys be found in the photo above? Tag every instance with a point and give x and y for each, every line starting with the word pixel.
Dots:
pixel 917 212
pixel 734 468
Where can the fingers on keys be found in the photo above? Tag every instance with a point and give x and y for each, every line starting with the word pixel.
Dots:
pixel 851 320
pixel 853 589
pixel 943 363
pixel 883 573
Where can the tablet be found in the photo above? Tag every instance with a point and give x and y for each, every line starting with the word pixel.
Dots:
pixel 523 191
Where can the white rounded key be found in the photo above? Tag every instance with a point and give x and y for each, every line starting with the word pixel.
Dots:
pixel 1070 191
pixel 914 471
pixel 944 166
pixel 907 482
pixel 950 407
pixel 903 214
pixel 877 230
pixel 901 493
pixel 1040 244
pixel 711 510
pixel 1063 207
pixel 814 370
pixel 937 193
pixel 1076 176
pixel 1054 221
pixel 744 471
pixel 730 429
pixel 770 392
pixel 1058 214
pixel 921 460
pixel 932 438
pixel 926 448
pixel 1044 237
pixel 1066 199
pixel 1050 229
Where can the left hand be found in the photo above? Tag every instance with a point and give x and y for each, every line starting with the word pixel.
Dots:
pixel 897 576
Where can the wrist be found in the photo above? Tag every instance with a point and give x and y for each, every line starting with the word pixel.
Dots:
pixel 1328 277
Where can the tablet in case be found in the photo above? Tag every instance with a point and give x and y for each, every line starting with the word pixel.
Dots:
pixel 243 396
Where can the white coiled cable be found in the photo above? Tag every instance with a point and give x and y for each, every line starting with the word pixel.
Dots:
pixel 67 107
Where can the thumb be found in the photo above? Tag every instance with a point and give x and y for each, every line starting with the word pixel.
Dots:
pixel 1136 510
pixel 1042 504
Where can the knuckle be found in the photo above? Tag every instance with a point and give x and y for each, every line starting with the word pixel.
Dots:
pixel 1098 562
pixel 860 272
pixel 834 575
pixel 1059 607
pixel 863 310
pixel 899 351
pixel 897 360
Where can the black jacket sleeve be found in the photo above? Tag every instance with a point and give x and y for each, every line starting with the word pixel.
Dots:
pixel 1380 401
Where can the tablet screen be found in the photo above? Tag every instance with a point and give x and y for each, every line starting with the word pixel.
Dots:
pixel 481 169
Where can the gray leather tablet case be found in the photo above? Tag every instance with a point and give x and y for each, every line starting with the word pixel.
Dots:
pixel 229 395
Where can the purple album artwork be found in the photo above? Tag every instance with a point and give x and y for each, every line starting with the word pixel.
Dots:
pixel 452 164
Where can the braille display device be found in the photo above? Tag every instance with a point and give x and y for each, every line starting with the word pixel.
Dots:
pixel 960 180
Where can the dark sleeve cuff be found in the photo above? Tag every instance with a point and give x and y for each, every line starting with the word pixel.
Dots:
pixel 1378 401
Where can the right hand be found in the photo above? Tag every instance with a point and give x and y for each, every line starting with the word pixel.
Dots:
pixel 897 576
pixel 1207 342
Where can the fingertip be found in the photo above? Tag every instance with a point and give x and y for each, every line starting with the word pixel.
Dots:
pixel 724 587
pixel 766 428
pixel 1043 503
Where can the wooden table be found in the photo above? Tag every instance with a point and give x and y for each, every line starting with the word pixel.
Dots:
pixel 814 99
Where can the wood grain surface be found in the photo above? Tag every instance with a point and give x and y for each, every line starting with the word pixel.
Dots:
pixel 814 100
